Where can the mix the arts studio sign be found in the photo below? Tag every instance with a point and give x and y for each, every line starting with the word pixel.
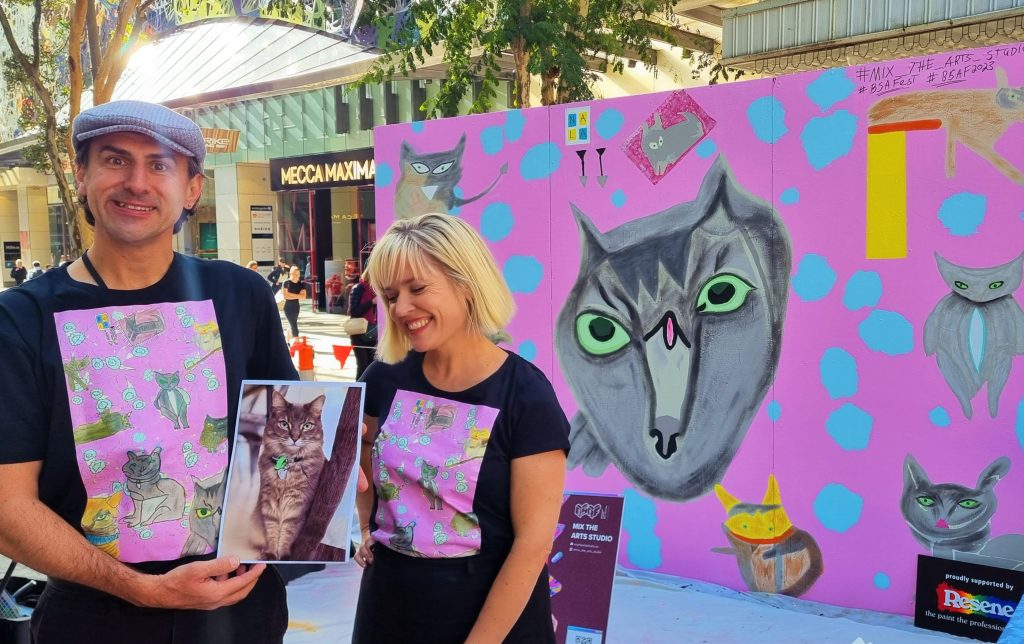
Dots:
pixel 966 599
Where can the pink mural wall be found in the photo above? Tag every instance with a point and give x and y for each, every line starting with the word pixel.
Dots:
pixel 726 283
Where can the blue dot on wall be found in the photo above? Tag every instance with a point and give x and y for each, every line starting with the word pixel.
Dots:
pixel 609 123
pixel 850 427
pixel 418 126
pixel 827 138
pixel 838 373
pixel 540 161
pixel 963 213
pixel 1020 423
pixel 384 175
pixel 619 198
pixel 939 417
pixel 497 221
pixel 492 139
pixel 528 350
pixel 829 88
pixel 768 118
pixel 523 273
pixel 864 288
pixel 814 278
pixel 882 581
pixel 514 124
pixel 639 518
pixel 837 507
pixel 887 332
pixel 790 196
pixel 774 410
pixel 706 148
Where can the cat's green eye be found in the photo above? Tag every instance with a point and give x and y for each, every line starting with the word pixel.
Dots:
pixel 995 285
pixel 969 504
pixel 723 293
pixel 925 501
pixel 444 167
pixel 102 515
pixel 422 168
pixel 960 285
pixel 203 513
pixel 600 335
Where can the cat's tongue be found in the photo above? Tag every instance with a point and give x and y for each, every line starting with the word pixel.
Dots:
pixel 941 523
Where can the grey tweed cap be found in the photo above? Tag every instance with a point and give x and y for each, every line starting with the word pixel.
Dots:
pixel 177 132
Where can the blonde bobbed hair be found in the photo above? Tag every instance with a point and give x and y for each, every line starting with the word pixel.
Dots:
pixel 453 247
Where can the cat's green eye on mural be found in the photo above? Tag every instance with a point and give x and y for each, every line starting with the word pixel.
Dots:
pixel 995 285
pixel 600 335
pixel 925 501
pixel 422 168
pixel 444 167
pixel 203 513
pixel 961 285
pixel 723 293
pixel 969 504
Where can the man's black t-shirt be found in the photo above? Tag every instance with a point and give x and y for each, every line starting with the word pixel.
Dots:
pixel 129 398
pixel 442 460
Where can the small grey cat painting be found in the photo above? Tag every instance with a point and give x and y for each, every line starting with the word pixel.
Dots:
pixel 670 337
pixel 204 515
pixel 663 146
pixel 291 459
pixel 172 401
pixel 154 497
pixel 975 330
pixel 428 181
pixel 954 521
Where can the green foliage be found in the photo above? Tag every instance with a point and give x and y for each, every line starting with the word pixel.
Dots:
pixel 711 63
pixel 565 41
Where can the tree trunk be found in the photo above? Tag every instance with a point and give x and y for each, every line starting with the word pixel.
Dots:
pixel 521 56
pixel 547 86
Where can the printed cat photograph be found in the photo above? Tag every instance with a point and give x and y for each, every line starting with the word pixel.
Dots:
pixel 291 487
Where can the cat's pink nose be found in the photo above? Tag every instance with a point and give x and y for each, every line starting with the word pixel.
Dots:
pixel 941 523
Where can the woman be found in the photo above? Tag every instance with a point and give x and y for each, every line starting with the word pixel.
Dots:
pixel 294 290
pixel 362 303
pixel 468 452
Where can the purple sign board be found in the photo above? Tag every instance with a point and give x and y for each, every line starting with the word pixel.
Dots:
pixel 582 566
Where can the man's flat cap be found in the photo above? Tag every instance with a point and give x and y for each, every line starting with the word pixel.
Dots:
pixel 171 129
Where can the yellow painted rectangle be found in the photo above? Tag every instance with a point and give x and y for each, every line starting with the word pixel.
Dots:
pixel 887 196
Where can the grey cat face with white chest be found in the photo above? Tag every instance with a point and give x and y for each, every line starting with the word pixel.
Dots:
pixel 946 517
pixel 670 337
pixel 981 285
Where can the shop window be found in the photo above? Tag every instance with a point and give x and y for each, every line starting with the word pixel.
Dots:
pixel 419 97
pixel 391 102
pixel 366 108
pixel 342 117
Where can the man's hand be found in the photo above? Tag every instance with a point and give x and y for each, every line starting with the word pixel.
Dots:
pixel 201 585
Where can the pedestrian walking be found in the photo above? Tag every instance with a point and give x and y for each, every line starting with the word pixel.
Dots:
pixel 127 533
pixel 19 273
pixel 294 290
pixel 37 270
pixel 362 305
pixel 275 275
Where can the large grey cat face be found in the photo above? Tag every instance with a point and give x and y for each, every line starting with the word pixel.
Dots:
pixel 948 516
pixel 435 172
pixel 670 336
pixel 204 517
pixel 982 284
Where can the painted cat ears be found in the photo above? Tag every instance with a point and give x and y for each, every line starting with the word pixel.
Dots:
pixel 407 150
pixel 771 495
pixel 915 476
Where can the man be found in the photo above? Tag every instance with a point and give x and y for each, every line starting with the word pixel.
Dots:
pixel 253 265
pixel 19 273
pixel 110 367
pixel 36 271
pixel 64 260
pixel 275 275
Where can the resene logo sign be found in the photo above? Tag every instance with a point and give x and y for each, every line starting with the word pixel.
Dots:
pixel 954 600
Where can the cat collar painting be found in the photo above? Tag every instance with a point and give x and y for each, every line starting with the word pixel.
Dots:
pixel 292 482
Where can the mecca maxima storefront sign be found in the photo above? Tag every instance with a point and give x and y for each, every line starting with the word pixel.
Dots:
pixel 332 170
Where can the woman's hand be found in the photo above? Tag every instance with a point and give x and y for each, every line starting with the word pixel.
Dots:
pixel 364 556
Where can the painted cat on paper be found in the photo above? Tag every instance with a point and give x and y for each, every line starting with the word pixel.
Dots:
pixel 428 180
pixel 975 331
pixel 954 521
pixel 670 337
pixel 290 462
pixel 773 555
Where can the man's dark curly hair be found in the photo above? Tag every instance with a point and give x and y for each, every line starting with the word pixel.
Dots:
pixel 82 159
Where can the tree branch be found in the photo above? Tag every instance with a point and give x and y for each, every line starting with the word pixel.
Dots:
pixel 36 19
